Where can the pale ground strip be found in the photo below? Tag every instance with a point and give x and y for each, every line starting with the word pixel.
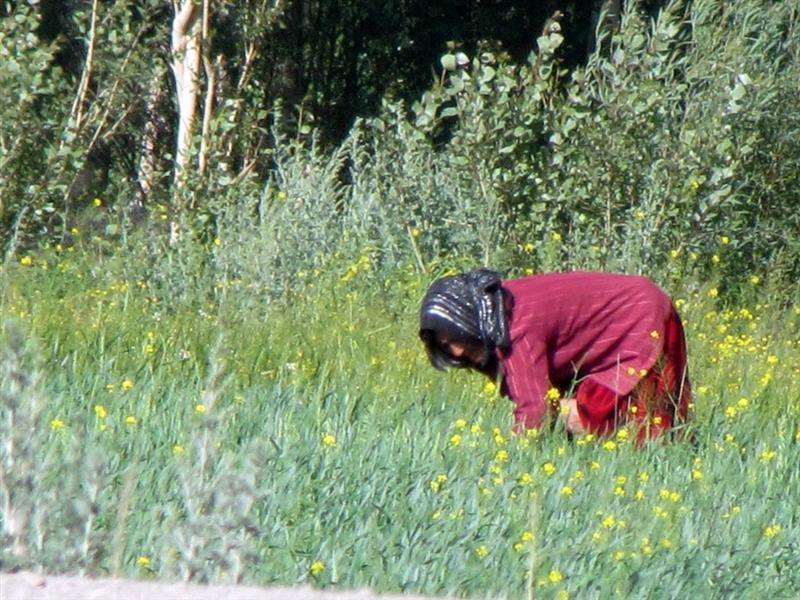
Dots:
pixel 33 586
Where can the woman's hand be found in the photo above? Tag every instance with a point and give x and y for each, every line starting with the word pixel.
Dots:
pixel 570 416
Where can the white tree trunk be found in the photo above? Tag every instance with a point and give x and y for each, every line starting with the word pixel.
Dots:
pixel 186 68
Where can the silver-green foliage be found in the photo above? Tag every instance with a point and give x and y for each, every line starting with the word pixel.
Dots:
pixel 50 495
pixel 678 130
pixel 28 122
pixel 57 129
pixel 682 130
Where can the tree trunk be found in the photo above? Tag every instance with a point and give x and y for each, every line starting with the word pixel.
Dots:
pixel 186 28
pixel 211 84
pixel 154 129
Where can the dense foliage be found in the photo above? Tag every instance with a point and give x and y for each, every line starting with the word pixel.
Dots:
pixel 677 131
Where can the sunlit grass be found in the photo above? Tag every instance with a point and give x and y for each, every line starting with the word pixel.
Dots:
pixel 305 439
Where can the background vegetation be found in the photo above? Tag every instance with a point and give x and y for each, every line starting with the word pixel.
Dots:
pixel 211 368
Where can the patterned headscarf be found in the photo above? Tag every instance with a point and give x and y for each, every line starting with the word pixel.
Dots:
pixel 465 307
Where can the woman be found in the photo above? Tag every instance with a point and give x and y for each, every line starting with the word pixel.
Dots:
pixel 611 347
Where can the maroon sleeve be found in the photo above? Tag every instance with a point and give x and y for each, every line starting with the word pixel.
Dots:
pixel 527 379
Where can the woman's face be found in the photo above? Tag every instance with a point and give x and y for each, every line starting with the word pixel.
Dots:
pixel 474 352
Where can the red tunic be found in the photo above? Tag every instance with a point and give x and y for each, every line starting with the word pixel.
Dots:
pixel 567 328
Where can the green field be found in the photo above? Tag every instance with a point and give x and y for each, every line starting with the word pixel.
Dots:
pixel 222 433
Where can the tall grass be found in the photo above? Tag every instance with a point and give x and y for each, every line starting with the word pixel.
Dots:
pixel 308 441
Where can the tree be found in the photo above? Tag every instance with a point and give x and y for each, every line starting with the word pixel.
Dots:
pixel 186 41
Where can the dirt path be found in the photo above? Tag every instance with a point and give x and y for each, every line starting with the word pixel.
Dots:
pixel 31 586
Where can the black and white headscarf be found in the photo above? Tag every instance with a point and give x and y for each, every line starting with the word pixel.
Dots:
pixel 467 307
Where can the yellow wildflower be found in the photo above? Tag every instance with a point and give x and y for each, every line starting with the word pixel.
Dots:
pixel 498 437
pixel 329 440
pixel 143 561
pixel 317 567
pixel 772 530
pixel 57 424
pixel 767 455
pixel 527 536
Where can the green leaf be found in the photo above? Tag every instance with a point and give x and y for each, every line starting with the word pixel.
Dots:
pixel 487 74
pixel 450 111
pixel 543 43
pixel 448 62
